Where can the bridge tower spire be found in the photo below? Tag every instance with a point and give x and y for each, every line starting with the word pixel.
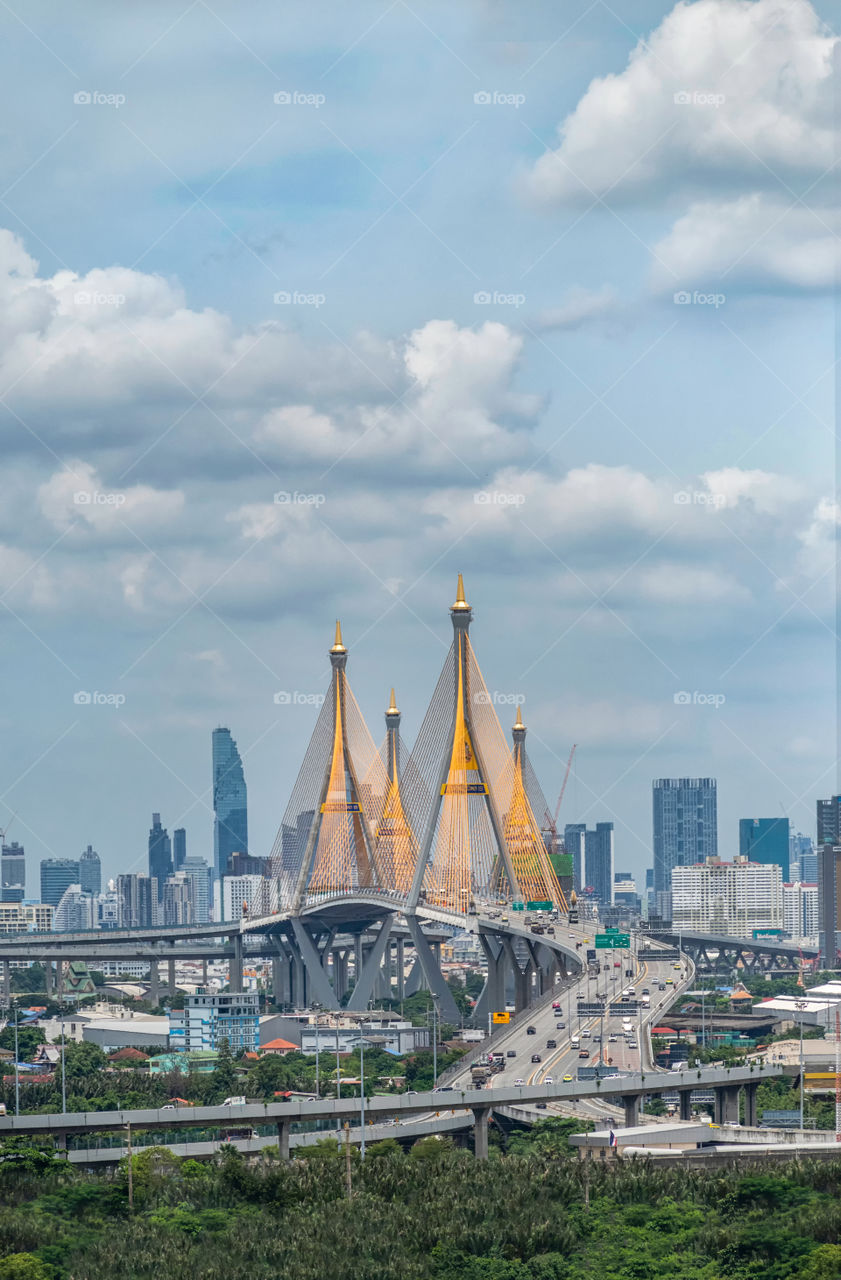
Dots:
pixel 464 851
pixel 396 846
pixel 522 832
pixel 339 855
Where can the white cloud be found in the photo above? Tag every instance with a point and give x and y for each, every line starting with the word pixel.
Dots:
pixel 819 540
pixel 759 241
pixel 79 495
pixel 771 60
pixel 578 308
pixel 768 492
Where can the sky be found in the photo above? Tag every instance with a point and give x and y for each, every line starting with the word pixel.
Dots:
pixel 308 309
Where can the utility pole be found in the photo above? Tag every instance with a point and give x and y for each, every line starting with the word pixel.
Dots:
pixel 130 1170
pixel 800 1005
pixel 338 1065
pixel 17 1069
pixel 362 1096
pixel 434 1048
pixel 347 1159
pixel 63 1073
pixel 317 1042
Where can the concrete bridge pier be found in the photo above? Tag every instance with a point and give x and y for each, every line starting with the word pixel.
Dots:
pixel 727 1104
pixel 401 968
pixel 7 983
pixel 685 1104
pixel 283 1127
pixel 154 989
pixel 631 1104
pixel 235 966
pixel 204 973
pixel 49 978
pixel 171 977
pixel 750 1105
pixel 481 1116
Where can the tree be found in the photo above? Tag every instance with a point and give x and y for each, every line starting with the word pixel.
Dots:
pixel 225 1075
pixel 82 1059
pixel 23 1266
pixel 28 1040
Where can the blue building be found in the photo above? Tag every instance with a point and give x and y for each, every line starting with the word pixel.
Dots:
pixel 574 845
pixel 766 840
pixel 90 871
pixel 685 825
pixel 206 1020
pixel 57 875
pixel 160 854
pixel 230 802
pixel 179 848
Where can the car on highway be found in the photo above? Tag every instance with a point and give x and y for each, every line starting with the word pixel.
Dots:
pixel 512 1053
pixel 661 986
pixel 519 1081
pixel 531 1031
pixel 535 1057
pixel 612 1039
pixel 551 1044
pixel 560 1026
pixel 597 1039
pixel 632 1044
pixel 548 1080
pixel 237 1101
pixel 567 1078
pixel 444 1088
pixel 584 1053
pixel 676 966
pixel 670 982
pixel 645 991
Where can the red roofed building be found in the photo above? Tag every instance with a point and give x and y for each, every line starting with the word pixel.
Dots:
pixel 129 1055
pixel 279 1046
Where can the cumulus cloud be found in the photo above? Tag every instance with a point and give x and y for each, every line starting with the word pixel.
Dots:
pixel 78 495
pixel 819 540
pixel 654 126
pixel 757 241
pixel 767 491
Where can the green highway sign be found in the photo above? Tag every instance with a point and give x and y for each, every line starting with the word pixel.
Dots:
pixel 538 906
pixel 611 930
pixel 518 906
pixel 610 940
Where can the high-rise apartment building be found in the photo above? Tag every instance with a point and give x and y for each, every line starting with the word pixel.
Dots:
pixel 732 898
pixel 230 801
pixel 57 875
pixel 829 821
pixel 766 840
pixel 800 912
pixel 139 897
pixel 179 848
pixel 177 901
pixel 76 912
pixel 13 872
pixel 685 825
pixel 829 902
pixel 598 862
pixel 803 858
pixel 206 1020
pixel 90 871
pixel 237 891
pixel 201 893
pixel 574 845
pixel 160 854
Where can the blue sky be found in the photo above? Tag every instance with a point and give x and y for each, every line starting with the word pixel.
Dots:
pixel 640 491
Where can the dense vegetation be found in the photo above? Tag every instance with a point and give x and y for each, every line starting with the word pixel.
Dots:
pixel 434 1214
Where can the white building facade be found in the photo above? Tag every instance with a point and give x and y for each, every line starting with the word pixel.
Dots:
pixel 238 891
pixel 800 912
pixel 732 898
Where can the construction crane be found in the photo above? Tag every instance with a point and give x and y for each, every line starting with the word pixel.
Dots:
pixel 550 821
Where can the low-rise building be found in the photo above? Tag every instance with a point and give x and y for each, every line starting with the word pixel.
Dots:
pixel 207 1019
pixel 26 917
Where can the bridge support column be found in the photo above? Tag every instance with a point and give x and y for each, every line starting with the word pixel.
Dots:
pixel 283 1127
pixel 521 989
pixel 631 1103
pixel 492 996
pixel 366 979
pixel 750 1105
pixel 49 978
pixel 277 980
pixel 204 973
pixel 481 1115
pixel 317 983
pixel 447 1007
pixel 59 966
pixel 7 983
pixel 685 1096
pixel 235 967
pixel 154 989
pixel 727 1104
pixel 401 968
pixel 171 977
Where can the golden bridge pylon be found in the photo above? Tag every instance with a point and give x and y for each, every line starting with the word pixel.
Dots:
pixel 395 846
pixel 327 844
pixel 480 839
pixel 523 835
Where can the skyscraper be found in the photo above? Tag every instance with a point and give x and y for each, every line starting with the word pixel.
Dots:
pixel 57 875
pixel 199 874
pixel 598 862
pixel 230 801
pixel 829 821
pixel 766 840
pixel 13 872
pixel 829 902
pixel 90 871
pixel 139 898
pixel 160 854
pixel 179 848
pixel 685 825
pixel 802 855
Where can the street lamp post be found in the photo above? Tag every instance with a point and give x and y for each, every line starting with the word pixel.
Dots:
pixel 63 1073
pixel 338 1065
pixel 17 1069
pixel 800 1005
